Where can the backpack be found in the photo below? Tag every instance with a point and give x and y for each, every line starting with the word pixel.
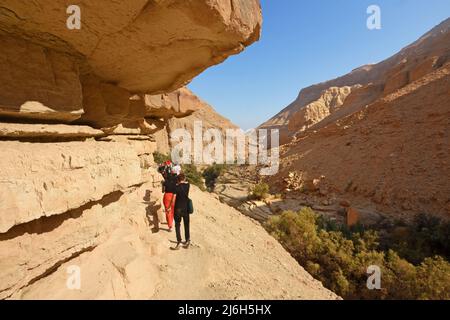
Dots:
pixel 190 206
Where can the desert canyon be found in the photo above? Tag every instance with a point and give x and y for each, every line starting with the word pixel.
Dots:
pixel 364 176
pixel 82 112
pixel 377 138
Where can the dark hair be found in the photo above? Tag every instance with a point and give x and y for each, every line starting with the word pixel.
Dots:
pixel 181 177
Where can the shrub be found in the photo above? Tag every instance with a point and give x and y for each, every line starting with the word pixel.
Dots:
pixel 211 174
pixel 339 258
pixel 432 279
pixel 193 176
pixel 160 157
pixel 426 236
pixel 259 191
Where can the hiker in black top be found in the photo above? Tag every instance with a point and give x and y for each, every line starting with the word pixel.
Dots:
pixel 181 210
pixel 170 184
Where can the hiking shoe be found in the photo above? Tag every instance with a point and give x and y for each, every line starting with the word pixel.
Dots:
pixel 187 244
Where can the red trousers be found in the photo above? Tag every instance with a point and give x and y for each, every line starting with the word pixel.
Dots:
pixel 169 205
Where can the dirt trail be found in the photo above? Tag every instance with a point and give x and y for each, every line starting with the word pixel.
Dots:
pixel 232 257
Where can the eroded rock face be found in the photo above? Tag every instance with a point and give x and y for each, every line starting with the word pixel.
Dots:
pixel 29 251
pixel 394 153
pixel 122 48
pixel 55 131
pixel 180 110
pixel 140 45
pixel 37 82
pixel 425 55
pixel 385 147
pixel 37 181
pixel 329 102
pixel 180 103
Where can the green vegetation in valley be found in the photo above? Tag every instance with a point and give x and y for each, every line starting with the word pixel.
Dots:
pixel 426 236
pixel 339 257
pixel 211 174
pixel 259 192
pixel 194 176
pixel 160 157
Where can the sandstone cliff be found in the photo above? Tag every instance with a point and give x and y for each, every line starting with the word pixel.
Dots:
pixel 122 48
pixel 180 110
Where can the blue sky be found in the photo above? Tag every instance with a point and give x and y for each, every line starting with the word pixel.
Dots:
pixel 306 42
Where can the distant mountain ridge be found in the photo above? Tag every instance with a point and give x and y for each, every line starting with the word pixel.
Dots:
pixel 412 62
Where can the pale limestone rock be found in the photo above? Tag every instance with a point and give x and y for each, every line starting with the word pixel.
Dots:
pixel 141 144
pixel 44 180
pixel 126 47
pixel 20 130
pixel 132 128
pixel 105 105
pixel 180 103
pixel 37 82
pixel 330 101
pixel 162 140
pixel 180 110
pixel 146 46
pixel 29 251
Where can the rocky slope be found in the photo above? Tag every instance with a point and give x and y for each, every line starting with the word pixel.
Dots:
pixel 80 118
pixel 386 147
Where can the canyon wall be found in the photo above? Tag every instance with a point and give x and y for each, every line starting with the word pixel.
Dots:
pixel 181 109
pixel 367 84
pixel 80 120
pixel 383 143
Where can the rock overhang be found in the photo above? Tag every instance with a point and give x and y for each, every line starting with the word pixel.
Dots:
pixel 151 47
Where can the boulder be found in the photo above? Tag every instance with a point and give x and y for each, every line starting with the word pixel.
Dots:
pixel 351 217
